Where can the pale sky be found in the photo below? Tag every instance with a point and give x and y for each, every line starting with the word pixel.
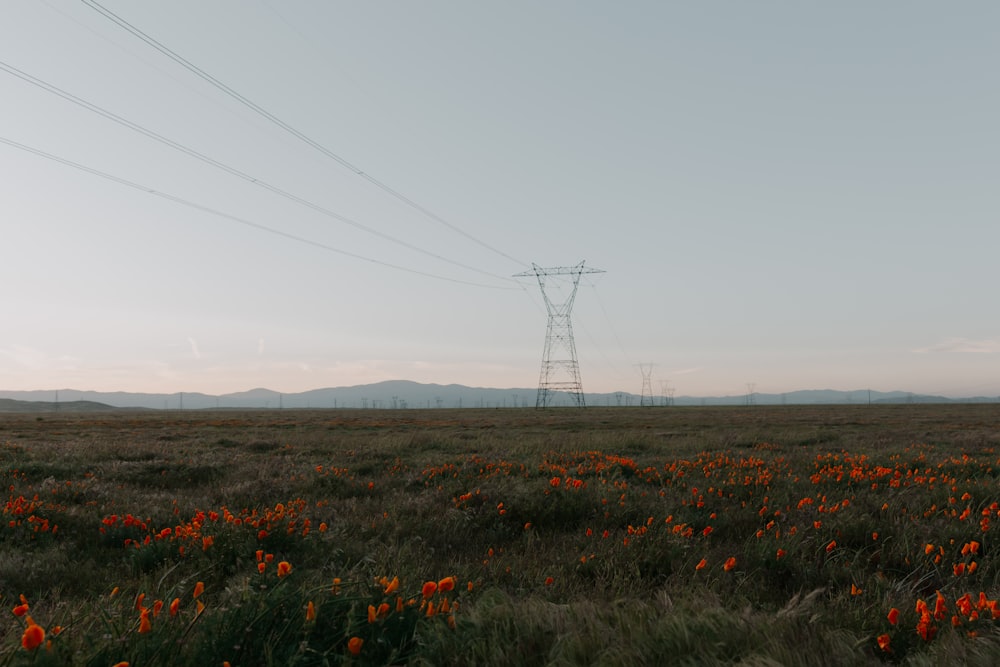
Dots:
pixel 794 195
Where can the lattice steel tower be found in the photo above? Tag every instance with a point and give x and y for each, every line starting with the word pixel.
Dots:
pixel 560 369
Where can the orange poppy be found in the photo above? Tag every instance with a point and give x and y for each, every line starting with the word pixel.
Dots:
pixel 729 564
pixel 284 568
pixel 33 636
pixel 354 645
pixel 199 588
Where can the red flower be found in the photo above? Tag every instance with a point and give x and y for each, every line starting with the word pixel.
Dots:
pixel 354 645
pixel 893 616
pixel 883 642
pixel 33 637
pixel 729 564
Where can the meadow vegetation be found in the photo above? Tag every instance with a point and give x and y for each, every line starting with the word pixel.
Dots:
pixel 834 535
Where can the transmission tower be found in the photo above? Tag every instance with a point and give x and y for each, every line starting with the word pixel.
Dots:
pixel 646 398
pixel 560 369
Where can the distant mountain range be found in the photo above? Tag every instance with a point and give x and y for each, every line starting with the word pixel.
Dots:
pixel 403 394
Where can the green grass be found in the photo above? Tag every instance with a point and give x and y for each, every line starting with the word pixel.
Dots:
pixel 574 537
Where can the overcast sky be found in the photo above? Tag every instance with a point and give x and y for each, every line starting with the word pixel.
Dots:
pixel 794 195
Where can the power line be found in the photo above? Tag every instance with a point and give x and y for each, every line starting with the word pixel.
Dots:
pixel 250 104
pixel 229 216
pixel 135 127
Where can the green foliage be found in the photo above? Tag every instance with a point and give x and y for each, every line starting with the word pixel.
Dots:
pixel 607 537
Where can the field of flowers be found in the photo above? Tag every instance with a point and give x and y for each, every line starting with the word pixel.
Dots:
pixel 795 535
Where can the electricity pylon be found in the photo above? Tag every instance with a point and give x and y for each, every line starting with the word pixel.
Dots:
pixel 560 369
pixel 646 397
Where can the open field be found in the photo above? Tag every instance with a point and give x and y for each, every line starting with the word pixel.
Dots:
pixel 629 536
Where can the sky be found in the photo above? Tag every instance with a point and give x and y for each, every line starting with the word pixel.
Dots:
pixel 780 195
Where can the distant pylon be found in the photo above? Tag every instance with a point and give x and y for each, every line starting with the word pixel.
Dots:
pixel 560 369
pixel 646 398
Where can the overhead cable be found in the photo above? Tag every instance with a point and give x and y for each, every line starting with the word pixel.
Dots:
pixel 234 218
pixel 250 104
pixel 135 127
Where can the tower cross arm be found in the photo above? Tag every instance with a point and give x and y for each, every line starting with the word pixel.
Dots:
pixel 557 271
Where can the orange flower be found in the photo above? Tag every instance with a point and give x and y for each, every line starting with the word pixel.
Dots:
pixel 706 531
pixel 354 645
pixel 261 567
pixel 780 554
pixel 549 581
pixel 928 549
pixel 446 584
pixel 157 608
pixel 33 636
pixel 138 601
pixel 940 607
pixel 200 607
pixel 391 586
pixel 729 564
pixel 855 590
pixel 893 616
pixel 428 589
pixel 284 568
pixel 20 610
pixel 372 616
pixel 145 625
pixel 831 546
pixel 383 610
pixel 701 564
pixel 335 589
pixel 175 605
pixel 310 611
pixel 883 642
pixel 123 663
pixel 199 588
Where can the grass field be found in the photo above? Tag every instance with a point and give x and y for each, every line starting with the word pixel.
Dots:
pixel 634 536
